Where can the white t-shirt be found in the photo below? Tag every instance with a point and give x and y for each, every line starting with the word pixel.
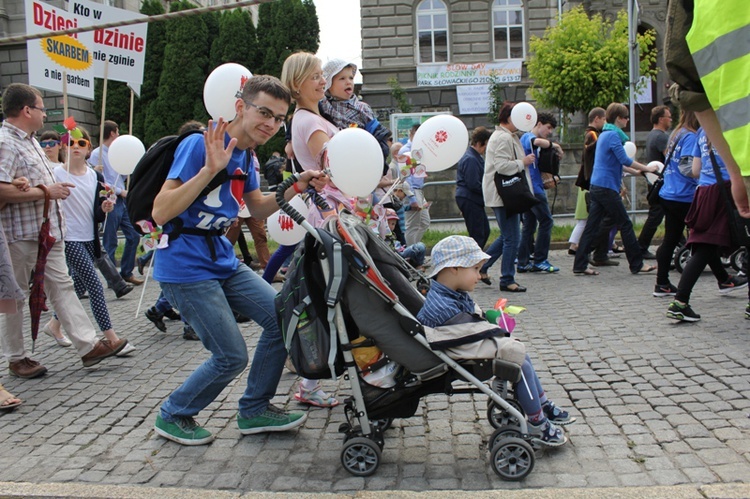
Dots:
pixel 78 208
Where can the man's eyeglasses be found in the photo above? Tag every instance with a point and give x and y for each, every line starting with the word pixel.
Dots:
pixel 79 142
pixel 626 117
pixel 42 109
pixel 49 143
pixel 266 113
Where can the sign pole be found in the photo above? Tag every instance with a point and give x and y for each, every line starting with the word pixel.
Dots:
pixel 99 166
pixel 132 102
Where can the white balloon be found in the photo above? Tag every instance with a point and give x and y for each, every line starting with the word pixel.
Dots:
pixel 523 116
pixel 124 153
pixel 630 149
pixel 651 177
pixel 440 142
pixel 284 230
pixel 222 89
pixel 355 161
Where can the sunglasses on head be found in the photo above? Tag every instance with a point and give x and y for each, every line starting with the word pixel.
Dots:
pixel 49 143
pixel 79 142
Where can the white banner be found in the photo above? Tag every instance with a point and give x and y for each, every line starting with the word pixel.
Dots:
pixel 473 99
pixel 51 59
pixel 468 74
pixel 124 48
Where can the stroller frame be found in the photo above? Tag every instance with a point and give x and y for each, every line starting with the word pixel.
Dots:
pixel 511 451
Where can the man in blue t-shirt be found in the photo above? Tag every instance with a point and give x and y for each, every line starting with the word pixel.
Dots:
pixel 538 138
pixel 200 274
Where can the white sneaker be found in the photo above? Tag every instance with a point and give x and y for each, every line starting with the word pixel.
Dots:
pixel 126 351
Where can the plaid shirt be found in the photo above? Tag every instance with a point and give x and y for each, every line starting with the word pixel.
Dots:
pixel 22 156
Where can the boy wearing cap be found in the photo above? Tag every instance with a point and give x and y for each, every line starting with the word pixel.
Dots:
pixel 456 262
pixel 414 254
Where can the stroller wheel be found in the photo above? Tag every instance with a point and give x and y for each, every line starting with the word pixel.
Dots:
pixel 680 258
pixel 497 416
pixel 382 424
pixel 360 456
pixel 505 431
pixel 512 459
pixel 737 259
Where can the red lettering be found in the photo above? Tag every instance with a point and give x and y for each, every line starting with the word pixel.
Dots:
pixel 113 38
pixel 51 20
pixel 38 14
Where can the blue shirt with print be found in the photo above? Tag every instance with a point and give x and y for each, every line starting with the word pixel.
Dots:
pixel 534 173
pixel 678 187
pixel 707 170
pixel 188 257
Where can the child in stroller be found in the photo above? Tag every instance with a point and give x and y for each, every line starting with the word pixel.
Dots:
pixel 457 260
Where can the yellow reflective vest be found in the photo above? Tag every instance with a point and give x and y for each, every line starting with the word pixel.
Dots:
pixel 719 41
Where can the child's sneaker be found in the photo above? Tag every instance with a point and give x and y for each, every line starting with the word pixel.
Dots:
pixel 183 430
pixel 272 419
pixel 665 290
pixel 522 269
pixel 682 312
pixel 547 434
pixel 316 397
pixel 557 415
pixel 732 284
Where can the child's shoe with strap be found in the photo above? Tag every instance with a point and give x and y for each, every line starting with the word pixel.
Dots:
pixel 557 415
pixel 315 397
pixel 546 433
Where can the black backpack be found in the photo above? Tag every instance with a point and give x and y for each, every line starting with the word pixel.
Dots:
pixel 149 176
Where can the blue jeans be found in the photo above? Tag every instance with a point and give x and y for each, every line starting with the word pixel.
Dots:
pixel 506 245
pixel 162 305
pixel 282 253
pixel 414 254
pixel 540 215
pixel 607 202
pixel 208 307
pixel 475 219
pixel 118 219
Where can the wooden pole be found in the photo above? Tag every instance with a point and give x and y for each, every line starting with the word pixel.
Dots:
pixel 100 166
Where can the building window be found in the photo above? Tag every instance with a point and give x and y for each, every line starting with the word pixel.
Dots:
pixel 432 31
pixel 508 29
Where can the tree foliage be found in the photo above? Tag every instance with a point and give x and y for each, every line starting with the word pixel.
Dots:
pixel 236 41
pixel 155 44
pixel 184 70
pixel 285 27
pixel 583 62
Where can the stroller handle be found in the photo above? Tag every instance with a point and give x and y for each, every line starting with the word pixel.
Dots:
pixel 289 209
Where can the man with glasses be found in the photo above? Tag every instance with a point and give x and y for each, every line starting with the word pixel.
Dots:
pixel 609 163
pixel 200 274
pixel 117 218
pixel 656 148
pixel 21 156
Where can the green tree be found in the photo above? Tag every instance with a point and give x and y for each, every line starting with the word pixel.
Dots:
pixel 152 70
pixel 183 74
pixel 400 95
pixel 236 41
pixel 583 62
pixel 118 103
pixel 285 27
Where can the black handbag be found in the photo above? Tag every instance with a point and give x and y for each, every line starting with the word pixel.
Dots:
pixel 652 196
pixel 515 192
pixel 739 227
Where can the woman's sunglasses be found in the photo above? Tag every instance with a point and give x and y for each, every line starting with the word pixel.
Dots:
pixel 49 143
pixel 79 142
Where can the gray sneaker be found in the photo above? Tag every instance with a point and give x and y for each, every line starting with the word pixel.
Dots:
pixel 272 419
pixel 546 433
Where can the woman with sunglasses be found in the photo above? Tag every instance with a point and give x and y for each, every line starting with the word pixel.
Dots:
pixel 84 210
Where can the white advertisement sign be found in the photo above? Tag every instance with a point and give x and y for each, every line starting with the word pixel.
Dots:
pixel 61 57
pixel 123 48
pixel 468 74
pixel 473 99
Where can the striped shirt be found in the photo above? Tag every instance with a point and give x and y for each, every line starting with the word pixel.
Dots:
pixel 442 304
pixel 22 156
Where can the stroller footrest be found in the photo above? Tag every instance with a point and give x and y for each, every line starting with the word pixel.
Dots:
pixel 507 371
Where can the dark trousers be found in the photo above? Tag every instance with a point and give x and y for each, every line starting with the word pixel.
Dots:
pixel 654 219
pixel 607 202
pixel 674 229
pixel 701 254
pixel 475 219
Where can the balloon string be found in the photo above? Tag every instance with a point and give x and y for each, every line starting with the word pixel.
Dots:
pixel 145 283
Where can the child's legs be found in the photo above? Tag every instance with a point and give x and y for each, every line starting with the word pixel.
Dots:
pixel 529 391
pixel 80 256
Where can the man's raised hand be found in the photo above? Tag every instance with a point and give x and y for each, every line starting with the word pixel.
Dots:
pixel 217 156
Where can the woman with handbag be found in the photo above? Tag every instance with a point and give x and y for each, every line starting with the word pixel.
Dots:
pixel 675 195
pixel 708 219
pixel 505 156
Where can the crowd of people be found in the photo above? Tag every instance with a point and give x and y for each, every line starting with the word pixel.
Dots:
pixel 83 192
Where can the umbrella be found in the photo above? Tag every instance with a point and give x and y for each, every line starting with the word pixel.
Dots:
pixel 38 298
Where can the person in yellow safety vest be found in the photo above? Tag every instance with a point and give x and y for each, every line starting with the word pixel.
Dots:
pixel 708 56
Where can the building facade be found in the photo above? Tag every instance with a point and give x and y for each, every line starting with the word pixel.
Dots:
pixel 403 39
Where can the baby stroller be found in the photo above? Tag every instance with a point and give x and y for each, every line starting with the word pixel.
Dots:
pixel 358 296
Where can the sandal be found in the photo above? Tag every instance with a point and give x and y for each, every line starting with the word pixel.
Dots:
pixel 618 248
pixel 7 400
pixel 586 272
pixel 485 279
pixel 646 269
pixel 315 397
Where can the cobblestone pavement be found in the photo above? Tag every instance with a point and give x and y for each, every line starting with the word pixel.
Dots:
pixel 658 403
